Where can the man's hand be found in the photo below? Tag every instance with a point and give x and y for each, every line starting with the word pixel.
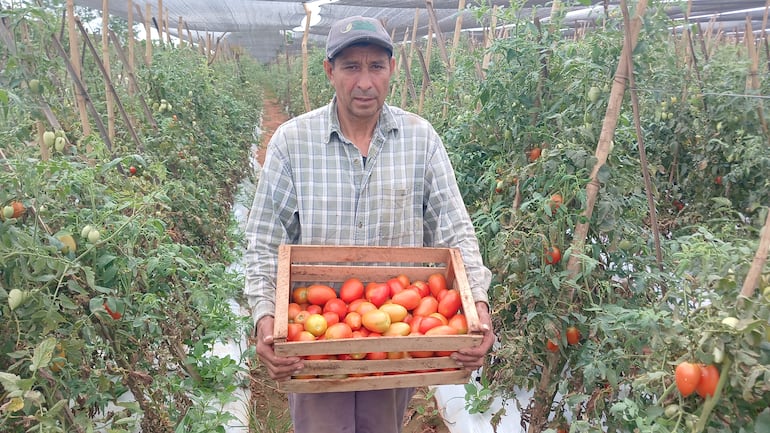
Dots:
pixel 472 358
pixel 279 368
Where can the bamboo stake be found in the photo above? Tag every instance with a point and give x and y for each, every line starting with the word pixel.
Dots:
pixel 132 88
pixel 489 38
pixel 752 81
pixel 160 21
pixel 404 62
pixel 148 34
pixel 429 45
pixel 437 30
pixel 640 137
pixel 415 23
pixel 425 82
pixel 456 35
pixel 45 152
pixel 80 101
pixel 132 82
pixel 81 88
pixel 179 26
pixel 305 59
pixel 760 258
pixel 110 87
pixel 605 141
pixel 106 61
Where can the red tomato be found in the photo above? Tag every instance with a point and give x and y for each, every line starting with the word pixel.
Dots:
pixel 331 317
pixel 318 294
pixel 552 346
pixel 428 323
pixel 415 323
pixel 450 303
pixel 709 377
pixel 427 306
pixel 294 330
pixel 352 289
pixel 314 309
pixel 687 376
pixel 573 335
pixel 116 315
pixel 395 285
pixel 422 288
pixel 377 294
pixel 132 169
pixel 409 298
pixel 552 256
pixel 436 283
pixel 336 306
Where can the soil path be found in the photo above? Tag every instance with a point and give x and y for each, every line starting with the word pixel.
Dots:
pixel 273 116
pixel 269 406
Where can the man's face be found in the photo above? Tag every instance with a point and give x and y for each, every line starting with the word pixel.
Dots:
pixel 360 75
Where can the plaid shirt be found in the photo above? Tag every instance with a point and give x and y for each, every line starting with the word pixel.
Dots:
pixel 315 189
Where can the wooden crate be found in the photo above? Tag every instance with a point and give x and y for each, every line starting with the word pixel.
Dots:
pixel 308 264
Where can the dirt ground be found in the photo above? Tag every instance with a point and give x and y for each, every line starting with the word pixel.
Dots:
pixel 269 409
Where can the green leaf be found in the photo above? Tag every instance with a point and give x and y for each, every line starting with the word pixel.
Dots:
pixel 9 381
pixel 43 354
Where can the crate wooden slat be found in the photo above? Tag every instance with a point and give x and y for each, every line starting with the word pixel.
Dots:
pixel 308 264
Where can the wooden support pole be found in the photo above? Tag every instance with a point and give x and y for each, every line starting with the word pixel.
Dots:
pixel 456 35
pixel 131 42
pixel 109 98
pixel 305 60
pixel 148 34
pixel 132 82
pixel 74 59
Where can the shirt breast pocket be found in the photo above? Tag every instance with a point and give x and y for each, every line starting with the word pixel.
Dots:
pixel 398 219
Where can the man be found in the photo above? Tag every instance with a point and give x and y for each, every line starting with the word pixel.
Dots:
pixel 355 172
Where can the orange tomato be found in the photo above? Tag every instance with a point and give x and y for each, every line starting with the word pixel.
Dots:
pixel 377 293
pixel 404 280
pixel 397 328
pixel 316 324
pixel 709 377
pixel 314 309
pixel 442 330
pixel 687 375
pixel 319 294
pixel 301 317
pixel 294 308
pixel 573 335
pixel 338 331
pixel 377 355
pixel 534 154
pixel 427 306
pixel 409 298
pixel 450 303
pixel 436 283
pixel 460 323
pixel 376 321
pixel 299 295
pixel 556 202
pixel 441 317
pixel 363 307
pixel 305 336
pixel 396 312
pixel 353 319
pixel 351 290
pixel 336 306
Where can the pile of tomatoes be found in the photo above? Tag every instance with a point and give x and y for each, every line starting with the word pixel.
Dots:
pixel 396 307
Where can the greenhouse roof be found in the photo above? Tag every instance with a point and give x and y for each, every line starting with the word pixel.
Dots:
pixel 260 26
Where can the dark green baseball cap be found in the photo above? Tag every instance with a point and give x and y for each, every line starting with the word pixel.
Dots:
pixel 354 30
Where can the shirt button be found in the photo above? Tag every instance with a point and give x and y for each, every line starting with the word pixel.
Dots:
pixel 356 162
pixel 360 224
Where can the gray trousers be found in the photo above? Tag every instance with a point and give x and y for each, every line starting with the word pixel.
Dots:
pixel 380 411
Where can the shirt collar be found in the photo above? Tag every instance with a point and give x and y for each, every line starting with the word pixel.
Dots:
pixel 386 123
